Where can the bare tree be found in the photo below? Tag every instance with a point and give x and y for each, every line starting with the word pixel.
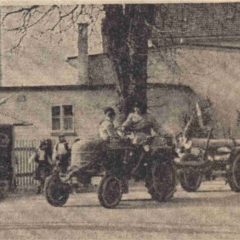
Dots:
pixel 127 28
pixel 47 19
pixel 128 36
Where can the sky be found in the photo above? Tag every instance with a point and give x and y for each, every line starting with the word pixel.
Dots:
pixel 41 60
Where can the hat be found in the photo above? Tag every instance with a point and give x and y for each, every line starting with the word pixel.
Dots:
pixel 109 110
pixel 141 105
pixel 136 104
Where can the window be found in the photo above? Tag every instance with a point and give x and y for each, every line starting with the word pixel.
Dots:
pixel 62 118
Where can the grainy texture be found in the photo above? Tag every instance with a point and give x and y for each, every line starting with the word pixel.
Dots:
pixel 62 65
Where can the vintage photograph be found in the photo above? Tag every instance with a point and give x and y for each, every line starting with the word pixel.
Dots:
pixel 120 121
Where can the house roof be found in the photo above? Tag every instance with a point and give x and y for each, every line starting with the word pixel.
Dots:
pixel 202 20
pixel 88 87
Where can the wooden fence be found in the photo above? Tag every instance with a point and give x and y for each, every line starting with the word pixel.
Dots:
pixel 23 150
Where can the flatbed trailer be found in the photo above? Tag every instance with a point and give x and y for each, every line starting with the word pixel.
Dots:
pixel 206 158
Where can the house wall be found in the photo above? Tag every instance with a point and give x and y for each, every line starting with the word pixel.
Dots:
pixel 212 73
pixel 37 110
pixel 166 103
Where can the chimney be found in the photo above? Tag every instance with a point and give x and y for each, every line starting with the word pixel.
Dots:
pixel 83 53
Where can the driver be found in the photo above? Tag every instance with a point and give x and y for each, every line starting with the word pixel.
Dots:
pixel 142 124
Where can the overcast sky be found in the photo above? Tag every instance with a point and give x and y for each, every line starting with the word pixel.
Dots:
pixel 41 60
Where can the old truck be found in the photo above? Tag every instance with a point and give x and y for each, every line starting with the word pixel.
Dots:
pixel 156 169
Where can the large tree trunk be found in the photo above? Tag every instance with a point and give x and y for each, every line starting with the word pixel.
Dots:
pixel 128 36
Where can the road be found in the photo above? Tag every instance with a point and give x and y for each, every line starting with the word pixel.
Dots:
pixel 211 213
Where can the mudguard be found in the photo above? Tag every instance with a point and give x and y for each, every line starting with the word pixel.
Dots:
pixel 162 155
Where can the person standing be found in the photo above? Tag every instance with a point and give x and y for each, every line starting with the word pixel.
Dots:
pixel 42 157
pixel 61 153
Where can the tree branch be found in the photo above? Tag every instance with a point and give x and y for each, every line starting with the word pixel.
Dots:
pixel 21 10
pixel 20 41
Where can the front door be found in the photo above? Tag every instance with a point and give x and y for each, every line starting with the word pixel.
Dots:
pixel 6 146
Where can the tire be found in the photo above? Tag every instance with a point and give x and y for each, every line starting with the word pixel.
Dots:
pixel 190 179
pixel 55 191
pixel 161 182
pixel 234 174
pixel 109 191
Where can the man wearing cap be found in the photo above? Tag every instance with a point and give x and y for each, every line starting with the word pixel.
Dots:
pixel 61 152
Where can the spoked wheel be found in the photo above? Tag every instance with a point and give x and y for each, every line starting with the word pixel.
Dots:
pixel 234 174
pixel 161 183
pixel 190 179
pixel 56 192
pixel 109 192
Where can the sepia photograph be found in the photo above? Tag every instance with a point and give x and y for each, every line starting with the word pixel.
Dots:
pixel 120 120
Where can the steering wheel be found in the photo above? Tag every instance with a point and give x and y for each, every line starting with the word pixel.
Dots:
pixel 122 132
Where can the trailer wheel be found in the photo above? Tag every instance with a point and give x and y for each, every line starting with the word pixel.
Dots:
pixel 190 179
pixel 234 174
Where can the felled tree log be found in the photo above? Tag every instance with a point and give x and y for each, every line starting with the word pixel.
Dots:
pixel 215 143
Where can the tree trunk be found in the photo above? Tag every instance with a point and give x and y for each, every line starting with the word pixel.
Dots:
pixel 128 35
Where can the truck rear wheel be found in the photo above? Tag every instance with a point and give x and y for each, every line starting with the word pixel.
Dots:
pixel 234 174
pixel 161 183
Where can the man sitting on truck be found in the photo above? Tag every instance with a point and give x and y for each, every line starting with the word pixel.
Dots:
pixel 106 129
pixel 143 125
